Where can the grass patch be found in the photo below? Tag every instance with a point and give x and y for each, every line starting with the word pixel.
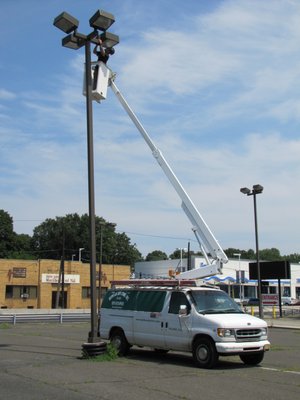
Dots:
pixel 110 354
pixel 5 325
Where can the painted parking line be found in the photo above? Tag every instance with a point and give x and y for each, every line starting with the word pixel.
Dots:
pixel 281 370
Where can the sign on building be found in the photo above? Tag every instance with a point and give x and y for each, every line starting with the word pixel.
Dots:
pixel 53 278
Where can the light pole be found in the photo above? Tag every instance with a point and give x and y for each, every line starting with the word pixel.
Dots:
pixel 102 225
pixel 256 189
pixel 240 278
pixel 101 20
pixel 181 250
pixel 79 256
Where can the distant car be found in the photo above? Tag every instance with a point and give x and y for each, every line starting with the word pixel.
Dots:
pixel 289 301
pixel 253 301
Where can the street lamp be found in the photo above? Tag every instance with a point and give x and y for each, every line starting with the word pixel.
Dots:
pixel 80 250
pixel 240 278
pixel 256 189
pixel 102 225
pixel 101 20
pixel 181 250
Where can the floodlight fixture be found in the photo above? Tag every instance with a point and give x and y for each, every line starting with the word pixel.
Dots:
pixel 257 189
pixel 109 39
pixel 66 22
pixel 73 41
pixel 102 20
pixel 245 190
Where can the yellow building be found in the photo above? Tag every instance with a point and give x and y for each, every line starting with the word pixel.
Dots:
pixel 35 284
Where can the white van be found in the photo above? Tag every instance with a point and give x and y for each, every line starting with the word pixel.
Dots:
pixel 199 319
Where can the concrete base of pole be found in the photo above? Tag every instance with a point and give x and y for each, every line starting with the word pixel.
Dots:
pixel 93 349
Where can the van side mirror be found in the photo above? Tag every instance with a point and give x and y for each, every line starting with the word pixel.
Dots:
pixel 183 310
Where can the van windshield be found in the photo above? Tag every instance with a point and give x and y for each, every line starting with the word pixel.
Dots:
pixel 214 302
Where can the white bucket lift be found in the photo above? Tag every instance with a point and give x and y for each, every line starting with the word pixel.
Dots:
pixel 100 76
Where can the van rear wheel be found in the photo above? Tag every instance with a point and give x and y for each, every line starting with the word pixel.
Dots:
pixel 119 341
pixel 205 353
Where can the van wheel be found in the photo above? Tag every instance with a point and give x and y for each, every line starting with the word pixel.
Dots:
pixel 119 341
pixel 205 353
pixel 252 359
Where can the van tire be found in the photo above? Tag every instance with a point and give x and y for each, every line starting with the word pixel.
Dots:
pixel 252 359
pixel 205 353
pixel 119 341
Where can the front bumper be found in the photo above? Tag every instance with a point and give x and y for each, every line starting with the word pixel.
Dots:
pixel 228 348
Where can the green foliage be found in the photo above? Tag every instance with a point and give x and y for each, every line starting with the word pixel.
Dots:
pixel 177 254
pixel 110 354
pixel 4 325
pixel 68 234
pixel 7 235
pixel 156 255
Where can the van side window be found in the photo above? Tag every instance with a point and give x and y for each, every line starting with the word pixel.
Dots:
pixel 150 300
pixel 178 299
pixel 120 299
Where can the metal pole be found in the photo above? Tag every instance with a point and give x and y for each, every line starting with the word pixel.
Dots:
pixel 89 113
pixel 100 268
pixel 261 311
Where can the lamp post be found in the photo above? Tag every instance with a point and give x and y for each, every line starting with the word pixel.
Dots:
pixel 101 20
pixel 240 278
pixel 256 189
pixel 102 225
pixel 79 256
pixel 181 250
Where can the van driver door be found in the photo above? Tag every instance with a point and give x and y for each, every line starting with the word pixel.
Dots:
pixel 177 327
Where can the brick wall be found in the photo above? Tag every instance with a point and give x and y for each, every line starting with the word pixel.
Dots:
pixel 37 278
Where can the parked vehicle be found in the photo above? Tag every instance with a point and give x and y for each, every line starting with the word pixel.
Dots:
pixel 202 320
pixel 253 301
pixel 289 301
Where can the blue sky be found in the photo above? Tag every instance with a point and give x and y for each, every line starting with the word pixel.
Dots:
pixel 216 85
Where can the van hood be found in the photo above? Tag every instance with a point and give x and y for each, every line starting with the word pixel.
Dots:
pixel 235 321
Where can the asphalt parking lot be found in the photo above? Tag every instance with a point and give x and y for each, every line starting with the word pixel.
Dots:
pixel 43 361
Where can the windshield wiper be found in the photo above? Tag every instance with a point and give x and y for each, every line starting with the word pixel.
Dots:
pixel 209 311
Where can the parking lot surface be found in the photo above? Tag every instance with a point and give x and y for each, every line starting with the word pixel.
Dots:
pixel 43 361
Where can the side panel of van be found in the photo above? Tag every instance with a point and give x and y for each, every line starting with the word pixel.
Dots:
pixel 148 318
pixel 178 327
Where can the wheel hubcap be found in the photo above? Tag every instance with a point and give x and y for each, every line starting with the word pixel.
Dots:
pixel 202 353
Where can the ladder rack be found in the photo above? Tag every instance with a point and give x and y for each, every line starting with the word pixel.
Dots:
pixel 155 282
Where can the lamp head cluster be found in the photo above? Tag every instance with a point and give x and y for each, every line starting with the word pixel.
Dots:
pixel 100 21
pixel 256 189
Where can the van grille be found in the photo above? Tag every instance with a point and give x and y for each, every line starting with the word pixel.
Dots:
pixel 248 335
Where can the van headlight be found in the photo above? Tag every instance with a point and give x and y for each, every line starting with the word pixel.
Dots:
pixel 264 332
pixel 225 332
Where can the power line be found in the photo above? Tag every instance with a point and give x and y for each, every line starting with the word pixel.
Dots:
pixel 157 236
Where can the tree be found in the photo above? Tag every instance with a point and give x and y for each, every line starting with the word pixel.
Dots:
pixel 7 235
pixel 73 231
pixel 177 254
pixel 156 255
pixel 22 248
pixel 270 254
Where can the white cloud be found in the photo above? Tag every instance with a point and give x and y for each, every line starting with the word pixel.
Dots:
pixel 219 96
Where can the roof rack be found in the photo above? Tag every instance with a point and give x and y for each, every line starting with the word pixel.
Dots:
pixel 155 282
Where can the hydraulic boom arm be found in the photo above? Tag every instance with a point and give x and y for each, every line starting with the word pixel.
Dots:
pixel 208 243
